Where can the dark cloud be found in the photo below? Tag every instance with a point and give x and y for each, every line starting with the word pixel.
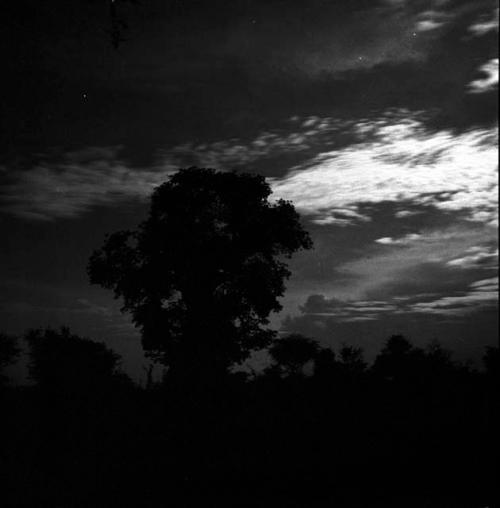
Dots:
pixel 198 71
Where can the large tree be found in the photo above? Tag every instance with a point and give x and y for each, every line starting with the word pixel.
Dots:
pixel 202 273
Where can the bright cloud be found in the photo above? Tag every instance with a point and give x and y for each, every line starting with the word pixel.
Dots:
pixel 389 159
pixel 399 241
pixel 430 20
pixel 474 256
pixel 489 81
pixel 453 172
pixel 96 176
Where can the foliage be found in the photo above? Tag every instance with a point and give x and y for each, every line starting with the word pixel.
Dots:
pixel 491 361
pixel 9 351
pixel 62 360
pixel 293 352
pixel 351 360
pixel 398 359
pixel 202 273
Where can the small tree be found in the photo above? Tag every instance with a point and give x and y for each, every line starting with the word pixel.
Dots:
pixel 202 273
pixel 351 360
pixel 60 360
pixel 9 351
pixel 293 352
pixel 325 363
pixel 399 360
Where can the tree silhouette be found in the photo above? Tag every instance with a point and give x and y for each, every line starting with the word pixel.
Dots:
pixel 437 359
pixel 62 361
pixel 399 360
pixel 491 361
pixel 202 273
pixel 293 352
pixel 8 353
pixel 325 364
pixel 351 360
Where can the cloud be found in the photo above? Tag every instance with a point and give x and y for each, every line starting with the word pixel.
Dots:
pixel 436 236
pixel 391 158
pixel 480 294
pixel 490 81
pixel 431 20
pixel 81 181
pixel 415 263
pixel 476 257
pixel 491 283
pixel 485 25
pixel 398 241
pixel 76 182
pixel 399 161
pixel 319 305
pixel 401 214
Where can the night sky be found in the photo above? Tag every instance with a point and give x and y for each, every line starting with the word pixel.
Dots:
pixel 376 118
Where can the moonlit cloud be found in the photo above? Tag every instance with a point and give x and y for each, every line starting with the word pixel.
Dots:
pixel 389 160
pixel 480 294
pixel 94 176
pixel 80 182
pixel 430 20
pixel 476 257
pixel 320 306
pixel 471 256
pixel 398 241
pixel 427 25
pixel 476 297
pixel 485 25
pixel 487 284
pixel 417 260
pixel 490 81
pixel 401 161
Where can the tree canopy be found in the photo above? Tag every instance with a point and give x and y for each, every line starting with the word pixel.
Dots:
pixel 9 351
pixel 61 360
pixel 202 273
pixel 293 352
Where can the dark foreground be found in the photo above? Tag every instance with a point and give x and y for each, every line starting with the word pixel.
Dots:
pixel 341 437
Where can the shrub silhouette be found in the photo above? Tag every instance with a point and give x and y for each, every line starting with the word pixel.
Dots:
pixel 62 361
pixel 9 351
pixel 293 352
pixel 202 273
pixel 491 361
pixel 399 360
pixel 351 360
pixel 325 363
